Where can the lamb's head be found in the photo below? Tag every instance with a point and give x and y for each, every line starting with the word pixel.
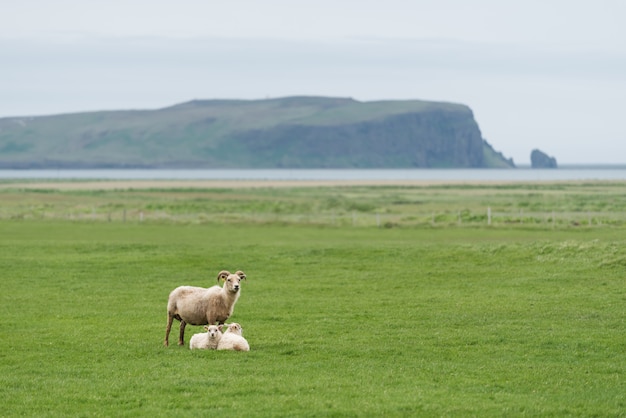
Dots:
pixel 235 328
pixel 231 281
pixel 213 330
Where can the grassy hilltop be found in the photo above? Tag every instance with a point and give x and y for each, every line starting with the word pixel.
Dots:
pixel 292 132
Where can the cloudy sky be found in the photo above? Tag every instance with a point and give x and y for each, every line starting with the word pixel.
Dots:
pixel 547 74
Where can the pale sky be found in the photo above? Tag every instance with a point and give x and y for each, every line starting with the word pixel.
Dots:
pixel 547 74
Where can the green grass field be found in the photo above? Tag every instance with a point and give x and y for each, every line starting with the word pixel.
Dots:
pixel 531 205
pixel 412 320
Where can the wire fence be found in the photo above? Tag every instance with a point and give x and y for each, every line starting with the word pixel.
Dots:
pixel 459 218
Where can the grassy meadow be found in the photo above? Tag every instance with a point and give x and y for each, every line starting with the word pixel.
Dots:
pixel 406 317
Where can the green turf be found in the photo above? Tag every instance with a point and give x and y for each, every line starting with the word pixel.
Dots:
pixel 520 205
pixel 341 321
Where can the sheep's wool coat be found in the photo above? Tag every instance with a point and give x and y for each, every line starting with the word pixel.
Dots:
pixel 192 303
pixel 204 340
pixel 232 340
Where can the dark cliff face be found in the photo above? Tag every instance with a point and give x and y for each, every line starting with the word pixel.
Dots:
pixel 434 139
pixel 292 132
pixel 539 159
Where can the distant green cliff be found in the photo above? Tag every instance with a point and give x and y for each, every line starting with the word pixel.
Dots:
pixel 291 132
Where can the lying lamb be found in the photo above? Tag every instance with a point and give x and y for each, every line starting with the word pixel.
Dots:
pixel 232 339
pixel 207 340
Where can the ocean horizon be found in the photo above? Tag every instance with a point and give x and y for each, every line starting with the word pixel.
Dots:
pixel 477 174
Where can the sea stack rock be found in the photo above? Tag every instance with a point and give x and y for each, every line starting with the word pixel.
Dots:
pixel 539 159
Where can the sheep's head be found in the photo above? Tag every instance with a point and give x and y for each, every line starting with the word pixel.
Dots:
pixel 235 328
pixel 231 281
pixel 213 330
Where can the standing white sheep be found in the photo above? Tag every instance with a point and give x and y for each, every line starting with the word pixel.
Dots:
pixel 207 340
pixel 232 339
pixel 200 306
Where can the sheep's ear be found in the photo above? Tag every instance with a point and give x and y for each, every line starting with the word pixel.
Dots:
pixel 206 328
pixel 241 274
pixel 220 327
pixel 223 275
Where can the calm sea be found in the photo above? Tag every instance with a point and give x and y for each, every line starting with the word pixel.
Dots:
pixel 518 174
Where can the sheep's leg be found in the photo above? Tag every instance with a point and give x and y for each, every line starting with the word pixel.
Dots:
pixel 170 319
pixel 181 338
